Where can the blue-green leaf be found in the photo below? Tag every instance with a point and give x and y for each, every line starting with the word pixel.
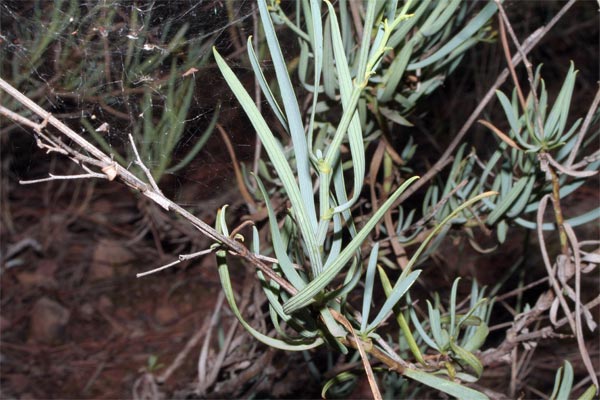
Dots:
pixel 452 388
pixel 473 26
pixel 275 151
pixel 369 283
pixel 294 118
pixel 398 291
pixel 306 295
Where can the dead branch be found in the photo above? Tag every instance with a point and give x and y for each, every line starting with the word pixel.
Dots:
pixel 112 169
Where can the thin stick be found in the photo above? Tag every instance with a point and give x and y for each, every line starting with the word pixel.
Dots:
pixel 182 257
pixel 585 355
pixel 203 356
pixel 185 257
pixel 510 66
pixel 236 169
pixel 64 177
pixel 17 118
pixel 363 355
pixel 152 271
pixel 141 164
pixel 536 103
pixel 492 356
pixel 134 182
pixel 586 123
pixel 547 264
pixel 178 361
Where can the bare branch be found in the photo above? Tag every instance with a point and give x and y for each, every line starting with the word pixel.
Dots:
pixel 17 118
pixel 586 124
pixel 134 182
pixel 64 177
pixel 141 164
pixel 182 257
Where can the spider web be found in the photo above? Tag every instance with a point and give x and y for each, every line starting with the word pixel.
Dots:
pixel 87 63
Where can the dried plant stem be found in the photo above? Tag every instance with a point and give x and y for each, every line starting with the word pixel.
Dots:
pixel 558 214
pixel 134 182
pixel 584 127
pixel 191 343
pixel 503 18
pixel 52 177
pixel 551 274
pixel 236 168
pixel 585 355
pixel 362 350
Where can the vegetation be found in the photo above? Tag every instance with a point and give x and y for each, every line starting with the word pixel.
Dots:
pixel 341 257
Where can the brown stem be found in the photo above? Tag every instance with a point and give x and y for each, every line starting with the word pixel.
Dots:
pixel 558 214
pixel 134 182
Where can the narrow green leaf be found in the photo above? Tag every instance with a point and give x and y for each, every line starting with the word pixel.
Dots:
pixel 398 291
pixel 511 115
pixel 394 116
pixel 294 118
pixel 566 382
pixel 501 230
pixel 478 338
pixel 426 26
pixel 467 357
pixel 363 52
pixel 354 129
pixel 229 295
pixel 444 385
pixel 557 118
pixel 275 152
pixel 410 339
pixel 280 250
pixel 407 25
pixel 557 379
pixel 369 283
pixel 506 201
pixel 317 46
pixel 336 241
pixel 329 79
pixel 339 378
pixel 442 20
pixel 264 85
pixel 453 307
pixel 395 72
pixel 520 204
pixel 589 394
pixel 435 325
pixel 415 320
pixel 306 295
pixel 473 26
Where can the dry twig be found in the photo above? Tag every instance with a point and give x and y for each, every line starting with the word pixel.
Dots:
pixel 113 169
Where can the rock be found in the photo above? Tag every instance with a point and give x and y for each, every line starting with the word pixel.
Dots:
pixel 18 382
pixel 48 321
pixel 112 252
pixel 166 315
pixel 100 272
pixel 109 254
pixel 86 310
pixel 105 303
pixel 36 279
pixel 4 323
